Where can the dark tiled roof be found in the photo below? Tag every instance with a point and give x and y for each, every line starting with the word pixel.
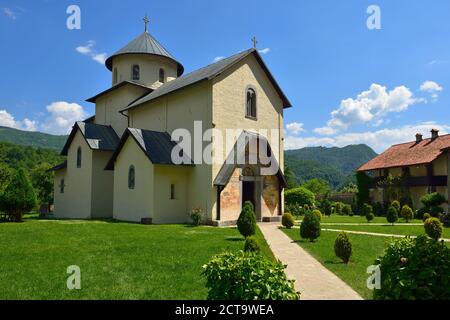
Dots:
pixel 119 85
pixel 156 145
pixel 237 156
pixel 59 166
pixel 97 136
pixel 207 73
pixel 144 44
pixel 409 154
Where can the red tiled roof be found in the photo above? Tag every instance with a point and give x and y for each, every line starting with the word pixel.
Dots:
pixel 409 154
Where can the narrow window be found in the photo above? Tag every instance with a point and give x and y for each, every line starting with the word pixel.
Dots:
pixel 162 75
pixel 115 76
pixel 172 191
pixel 250 110
pixel 131 178
pixel 136 72
pixel 79 157
pixel 62 186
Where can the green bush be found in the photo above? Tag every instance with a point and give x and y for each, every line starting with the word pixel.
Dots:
pixel 251 244
pixel 247 220
pixel 432 200
pixel 445 219
pixel 370 217
pixel 310 227
pixel 299 196
pixel 295 209
pixel 426 216
pixel 343 247
pixel 392 215
pixel 436 211
pixel 414 269
pixel 367 211
pixel 347 210
pixel 338 207
pixel 407 213
pixel 18 197
pixel 247 276
pixel 433 228
pixel 378 209
pixel 318 214
pixel 326 207
pixel 420 213
pixel 287 220
pixel 396 205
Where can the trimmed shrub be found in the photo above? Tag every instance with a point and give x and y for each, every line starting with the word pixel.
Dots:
pixel 343 247
pixel 426 216
pixel 445 219
pixel 338 206
pixel 299 196
pixel 287 220
pixel 247 276
pixel 18 197
pixel 326 207
pixel 432 200
pixel 414 269
pixel 420 213
pixel 347 210
pixel 392 215
pixel 396 205
pixel 310 227
pixel 378 209
pixel 247 220
pixel 251 244
pixel 367 211
pixel 318 214
pixel 295 209
pixel 407 213
pixel 433 228
pixel 436 211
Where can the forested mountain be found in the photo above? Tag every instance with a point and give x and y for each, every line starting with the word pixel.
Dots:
pixel 33 139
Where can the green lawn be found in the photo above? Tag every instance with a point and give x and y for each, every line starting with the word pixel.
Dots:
pixel 358 219
pixel 389 229
pixel 365 251
pixel 117 260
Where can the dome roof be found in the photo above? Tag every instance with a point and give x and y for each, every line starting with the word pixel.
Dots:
pixel 145 44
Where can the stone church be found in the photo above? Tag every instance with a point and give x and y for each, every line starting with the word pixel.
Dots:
pixel 120 161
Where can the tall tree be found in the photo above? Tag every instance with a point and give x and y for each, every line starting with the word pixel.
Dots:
pixel 42 181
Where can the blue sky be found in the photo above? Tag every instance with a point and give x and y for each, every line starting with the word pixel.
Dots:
pixel 348 84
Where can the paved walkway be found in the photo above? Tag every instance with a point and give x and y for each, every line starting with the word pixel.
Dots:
pixel 375 234
pixel 313 280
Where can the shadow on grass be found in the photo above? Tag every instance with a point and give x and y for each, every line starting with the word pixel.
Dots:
pixel 235 239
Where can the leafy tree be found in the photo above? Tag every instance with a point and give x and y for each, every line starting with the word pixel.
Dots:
pixel 5 176
pixel 291 179
pixel 396 205
pixel 42 181
pixel 392 215
pixel 433 228
pixel 247 220
pixel 310 227
pixel 349 188
pixel 364 182
pixel 407 213
pixel 432 200
pixel 317 186
pixel 18 197
pixel 300 196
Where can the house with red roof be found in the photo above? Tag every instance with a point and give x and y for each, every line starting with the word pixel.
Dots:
pixel 411 169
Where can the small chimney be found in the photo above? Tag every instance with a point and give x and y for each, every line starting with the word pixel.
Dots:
pixel 419 137
pixel 434 134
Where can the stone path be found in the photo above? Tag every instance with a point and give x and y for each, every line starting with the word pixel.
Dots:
pixel 313 280
pixel 375 234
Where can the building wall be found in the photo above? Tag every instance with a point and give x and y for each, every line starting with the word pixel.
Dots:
pixel 76 201
pixel 133 205
pixel 270 197
pixel 149 69
pixel 102 185
pixel 418 171
pixel 169 210
pixel 107 107
pixel 440 165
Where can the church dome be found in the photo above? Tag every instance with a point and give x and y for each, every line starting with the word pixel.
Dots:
pixel 145 44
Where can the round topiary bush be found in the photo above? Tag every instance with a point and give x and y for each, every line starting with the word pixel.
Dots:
pixel 310 227
pixel 300 196
pixel 247 220
pixel 326 207
pixel 396 205
pixel 433 228
pixel 287 220
pixel 407 213
pixel 318 214
pixel 251 245
pixel 436 211
pixel 414 269
pixel 343 247
pixel 426 216
pixel 392 215
pixel 367 211
pixel 347 210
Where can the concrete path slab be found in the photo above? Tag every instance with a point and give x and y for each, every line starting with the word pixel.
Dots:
pixel 312 279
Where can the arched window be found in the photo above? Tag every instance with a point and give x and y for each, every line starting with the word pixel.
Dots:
pixel 131 178
pixel 250 107
pixel 162 75
pixel 115 76
pixel 136 72
pixel 79 157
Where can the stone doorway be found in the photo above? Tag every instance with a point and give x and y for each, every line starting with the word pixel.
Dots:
pixel 248 192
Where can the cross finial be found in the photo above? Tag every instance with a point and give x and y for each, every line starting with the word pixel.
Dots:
pixel 146 21
pixel 255 42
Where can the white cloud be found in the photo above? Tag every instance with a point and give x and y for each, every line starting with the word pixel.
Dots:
pixel 295 127
pixel 432 88
pixel 264 51
pixel 216 59
pixel 62 117
pixel 88 50
pixel 379 140
pixel 8 120
pixel 369 106
pixel 9 13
